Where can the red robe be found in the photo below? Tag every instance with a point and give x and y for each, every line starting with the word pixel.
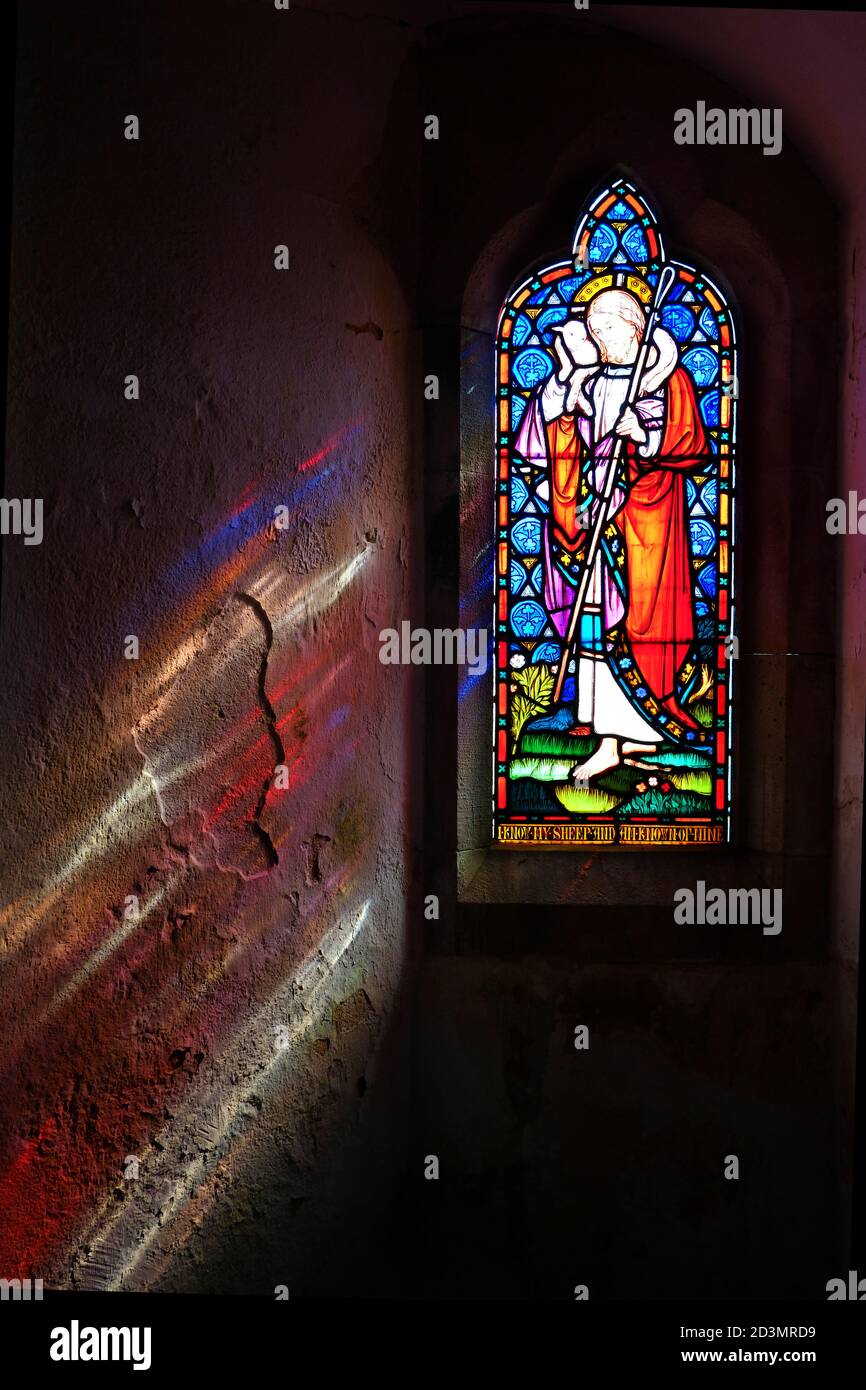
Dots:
pixel 654 524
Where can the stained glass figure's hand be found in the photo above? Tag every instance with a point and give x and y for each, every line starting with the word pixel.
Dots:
pixel 628 426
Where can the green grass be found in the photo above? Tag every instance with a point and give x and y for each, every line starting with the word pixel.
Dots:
pixel 674 803
pixel 550 744
pixel 670 756
pixel 548 757
pixel 582 801
pixel 528 797
pixel 619 780
pixel 700 782
pixel 541 769
pixel 703 713
pixel 553 744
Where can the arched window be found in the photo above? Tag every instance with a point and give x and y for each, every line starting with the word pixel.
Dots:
pixel 616 412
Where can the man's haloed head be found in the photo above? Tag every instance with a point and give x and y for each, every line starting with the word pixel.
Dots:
pixel 615 321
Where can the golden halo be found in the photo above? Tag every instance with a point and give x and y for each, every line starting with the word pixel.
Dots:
pixel 633 283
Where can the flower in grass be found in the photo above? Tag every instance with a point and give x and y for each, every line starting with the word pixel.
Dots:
pixel 653 781
pixel 666 786
pixel 517 661
pixel 641 787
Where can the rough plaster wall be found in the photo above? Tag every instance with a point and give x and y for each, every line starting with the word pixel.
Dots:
pixel 240 1036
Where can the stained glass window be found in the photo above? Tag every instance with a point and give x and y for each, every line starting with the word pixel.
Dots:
pixel 616 410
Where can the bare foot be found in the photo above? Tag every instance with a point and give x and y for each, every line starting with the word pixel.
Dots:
pixel 603 759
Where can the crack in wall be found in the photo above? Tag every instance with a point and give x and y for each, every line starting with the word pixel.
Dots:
pixel 270 715
pixel 210 744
